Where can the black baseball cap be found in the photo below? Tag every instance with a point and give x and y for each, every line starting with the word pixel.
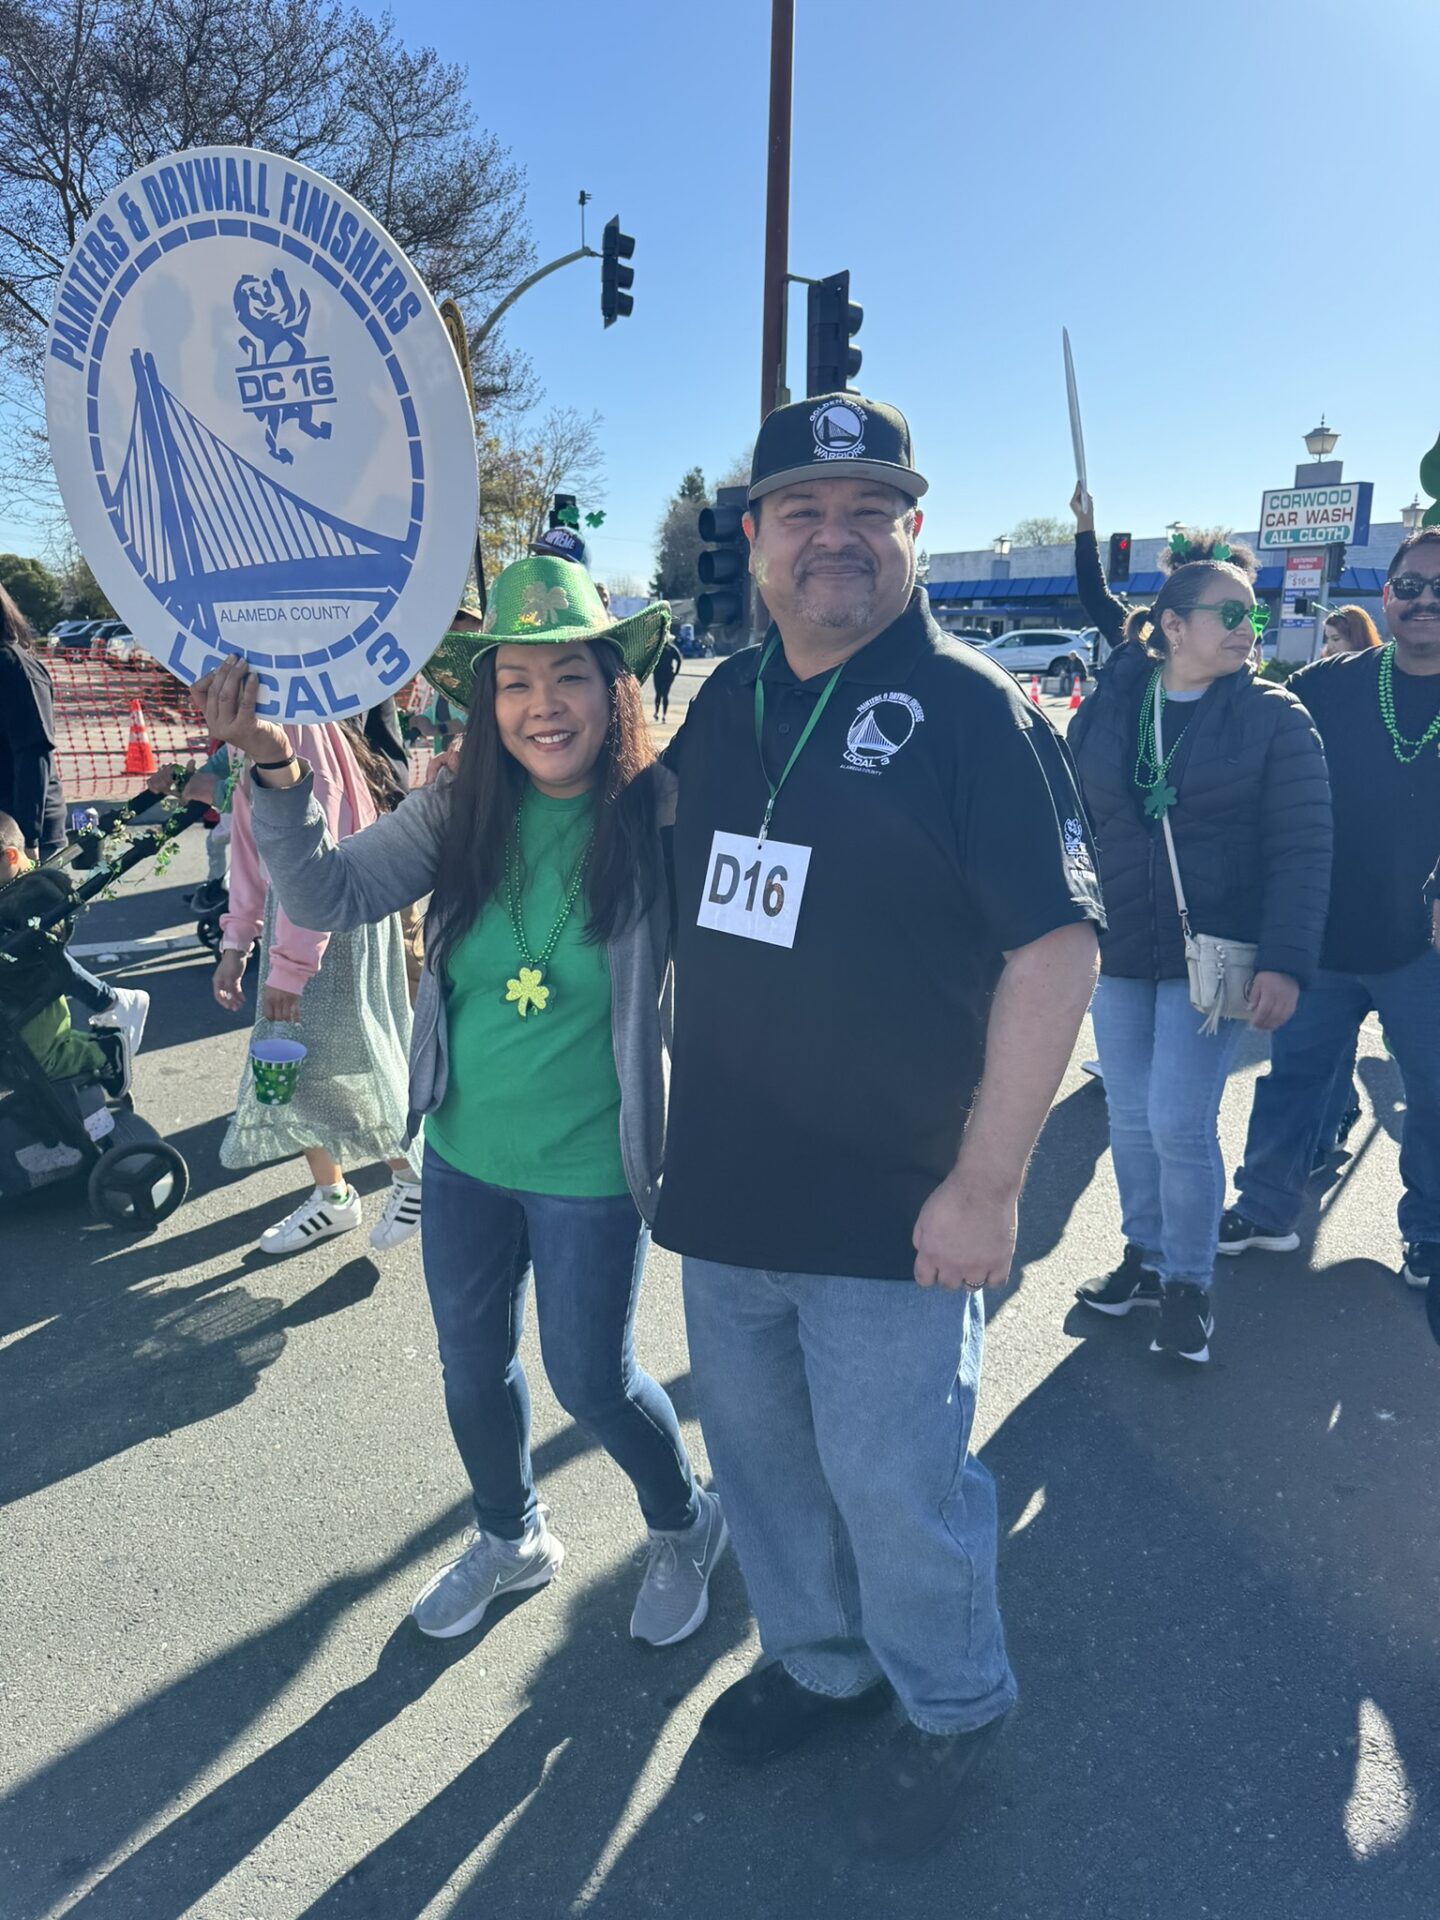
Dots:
pixel 834 434
pixel 564 543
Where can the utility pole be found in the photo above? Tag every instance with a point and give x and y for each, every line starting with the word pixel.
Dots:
pixel 773 392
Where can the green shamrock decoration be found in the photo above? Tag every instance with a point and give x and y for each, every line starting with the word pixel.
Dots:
pixel 1159 801
pixel 526 992
pixel 594 519
pixel 567 517
pixel 1430 481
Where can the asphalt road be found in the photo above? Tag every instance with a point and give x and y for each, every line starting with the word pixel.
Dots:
pixel 224 1478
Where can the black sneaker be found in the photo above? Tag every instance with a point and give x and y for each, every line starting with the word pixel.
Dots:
pixel 1422 1263
pixel 1237 1235
pixel 1186 1322
pixel 1132 1284
pixel 912 1796
pixel 768 1713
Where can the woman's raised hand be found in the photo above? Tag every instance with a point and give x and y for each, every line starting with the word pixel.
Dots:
pixel 228 698
pixel 1083 508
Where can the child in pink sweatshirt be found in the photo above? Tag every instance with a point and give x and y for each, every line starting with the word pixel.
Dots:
pixel 343 995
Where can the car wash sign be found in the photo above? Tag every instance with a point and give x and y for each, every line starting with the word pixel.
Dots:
pixel 1337 515
pixel 261 432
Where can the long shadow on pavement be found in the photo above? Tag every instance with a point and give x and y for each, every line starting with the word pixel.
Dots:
pixel 60 1827
pixel 1218 1588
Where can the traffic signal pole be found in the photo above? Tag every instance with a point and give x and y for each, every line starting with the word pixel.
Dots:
pixel 777 206
pixel 488 325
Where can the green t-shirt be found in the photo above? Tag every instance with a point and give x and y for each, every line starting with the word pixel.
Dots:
pixel 533 1103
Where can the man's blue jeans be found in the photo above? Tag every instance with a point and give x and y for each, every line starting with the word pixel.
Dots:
pixel 1164 1079
pixel 479 1243
pixel 1290 1100
pixel 837 1412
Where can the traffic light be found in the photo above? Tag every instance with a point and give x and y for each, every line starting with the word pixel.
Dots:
pixel 831 362
pixel 616 247
pixel 1119 558
pixel 1334 564
pixel 724 568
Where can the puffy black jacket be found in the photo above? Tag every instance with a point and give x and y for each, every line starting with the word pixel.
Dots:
pixel 1251 823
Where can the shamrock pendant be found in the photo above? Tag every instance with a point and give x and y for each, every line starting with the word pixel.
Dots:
pixel 1159 800
pixel 527 991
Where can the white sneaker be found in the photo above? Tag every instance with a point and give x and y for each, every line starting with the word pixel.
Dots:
pixel 318 1218
pixel 401 1217
pixel 455 1600
pixel 1092 1067
pixel 129 1013
pixel 674 1596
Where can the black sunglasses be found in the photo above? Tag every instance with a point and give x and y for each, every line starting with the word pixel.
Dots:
pixel 1410 586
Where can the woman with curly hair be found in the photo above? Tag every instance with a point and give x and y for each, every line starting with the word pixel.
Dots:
pixel 1181 730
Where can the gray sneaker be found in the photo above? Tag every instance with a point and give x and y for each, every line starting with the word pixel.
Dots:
pixel 456 1599
pixel 674 1596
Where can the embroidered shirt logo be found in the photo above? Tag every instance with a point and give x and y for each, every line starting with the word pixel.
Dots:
pixel 839 430
pixel 1076 851
pixel 881 727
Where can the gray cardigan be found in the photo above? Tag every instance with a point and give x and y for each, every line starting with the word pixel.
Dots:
pixel 387 866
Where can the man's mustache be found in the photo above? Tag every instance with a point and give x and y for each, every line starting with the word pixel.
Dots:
pixel 837 562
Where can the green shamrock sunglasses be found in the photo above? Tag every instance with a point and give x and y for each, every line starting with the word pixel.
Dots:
pixel 1232 612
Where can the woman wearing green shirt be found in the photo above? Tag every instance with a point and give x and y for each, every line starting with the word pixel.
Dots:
pixel 536 1056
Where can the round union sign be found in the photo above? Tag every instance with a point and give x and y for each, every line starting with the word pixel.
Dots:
pixel 260 430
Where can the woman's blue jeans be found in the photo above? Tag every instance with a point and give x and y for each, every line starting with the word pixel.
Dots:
pixel 480 1245
pixel 1163 1082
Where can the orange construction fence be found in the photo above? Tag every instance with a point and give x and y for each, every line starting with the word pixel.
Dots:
pixel 93 714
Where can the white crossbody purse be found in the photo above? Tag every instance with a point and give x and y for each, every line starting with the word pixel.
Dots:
pixel 1221 971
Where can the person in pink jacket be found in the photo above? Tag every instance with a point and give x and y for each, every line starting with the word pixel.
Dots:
pixel 345 995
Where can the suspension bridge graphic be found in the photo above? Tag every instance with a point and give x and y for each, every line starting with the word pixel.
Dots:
pixel 203 526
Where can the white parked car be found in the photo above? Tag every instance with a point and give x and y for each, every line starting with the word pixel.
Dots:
pixel 1038 650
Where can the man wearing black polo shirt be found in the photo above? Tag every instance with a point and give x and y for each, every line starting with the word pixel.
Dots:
pixel 886 912
pixel 1378 715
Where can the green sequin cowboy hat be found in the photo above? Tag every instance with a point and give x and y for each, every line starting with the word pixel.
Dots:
pixel 542 601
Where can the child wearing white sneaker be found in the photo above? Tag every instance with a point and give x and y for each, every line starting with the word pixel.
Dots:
pixel 346 995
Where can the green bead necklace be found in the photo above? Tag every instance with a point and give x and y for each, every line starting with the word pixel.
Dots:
pixel 1151 772
pixel 528 991
pixel 1404 748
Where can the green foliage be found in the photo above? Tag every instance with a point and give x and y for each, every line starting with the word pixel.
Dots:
pixel 81 592
pixel 33 588
pixel 1281 670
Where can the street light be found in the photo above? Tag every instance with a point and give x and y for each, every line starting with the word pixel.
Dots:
pixel 1000 545
pixel 1320 441
pixel 1411 516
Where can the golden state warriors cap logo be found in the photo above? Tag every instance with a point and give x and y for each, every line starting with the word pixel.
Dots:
pixel 260 430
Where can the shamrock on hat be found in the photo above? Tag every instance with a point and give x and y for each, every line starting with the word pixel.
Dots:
pixel 541 601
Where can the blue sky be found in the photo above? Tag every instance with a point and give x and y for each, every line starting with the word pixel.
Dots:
pixel 1229 207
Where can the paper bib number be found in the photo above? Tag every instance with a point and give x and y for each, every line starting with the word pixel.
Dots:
pixel 754 891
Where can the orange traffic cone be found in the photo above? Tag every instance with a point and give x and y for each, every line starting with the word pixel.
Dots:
pixel 1034 690
pixel 139 754
pixel 1075 693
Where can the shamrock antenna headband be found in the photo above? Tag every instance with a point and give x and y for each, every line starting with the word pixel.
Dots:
pixel 1182 549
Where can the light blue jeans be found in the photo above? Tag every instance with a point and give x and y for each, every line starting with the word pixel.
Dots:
pixel 837 1412
pixel 1163 1082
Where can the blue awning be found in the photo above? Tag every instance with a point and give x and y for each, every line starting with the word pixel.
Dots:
pixel 1362 580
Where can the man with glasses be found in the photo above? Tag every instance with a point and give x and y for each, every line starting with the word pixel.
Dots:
pixel 1378 714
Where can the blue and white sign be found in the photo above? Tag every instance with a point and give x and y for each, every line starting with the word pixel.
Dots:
pixel 261 432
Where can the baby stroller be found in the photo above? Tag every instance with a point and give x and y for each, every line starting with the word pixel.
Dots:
pixel 54 1130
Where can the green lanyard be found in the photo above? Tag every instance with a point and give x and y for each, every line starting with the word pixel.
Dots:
pixel 809 728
